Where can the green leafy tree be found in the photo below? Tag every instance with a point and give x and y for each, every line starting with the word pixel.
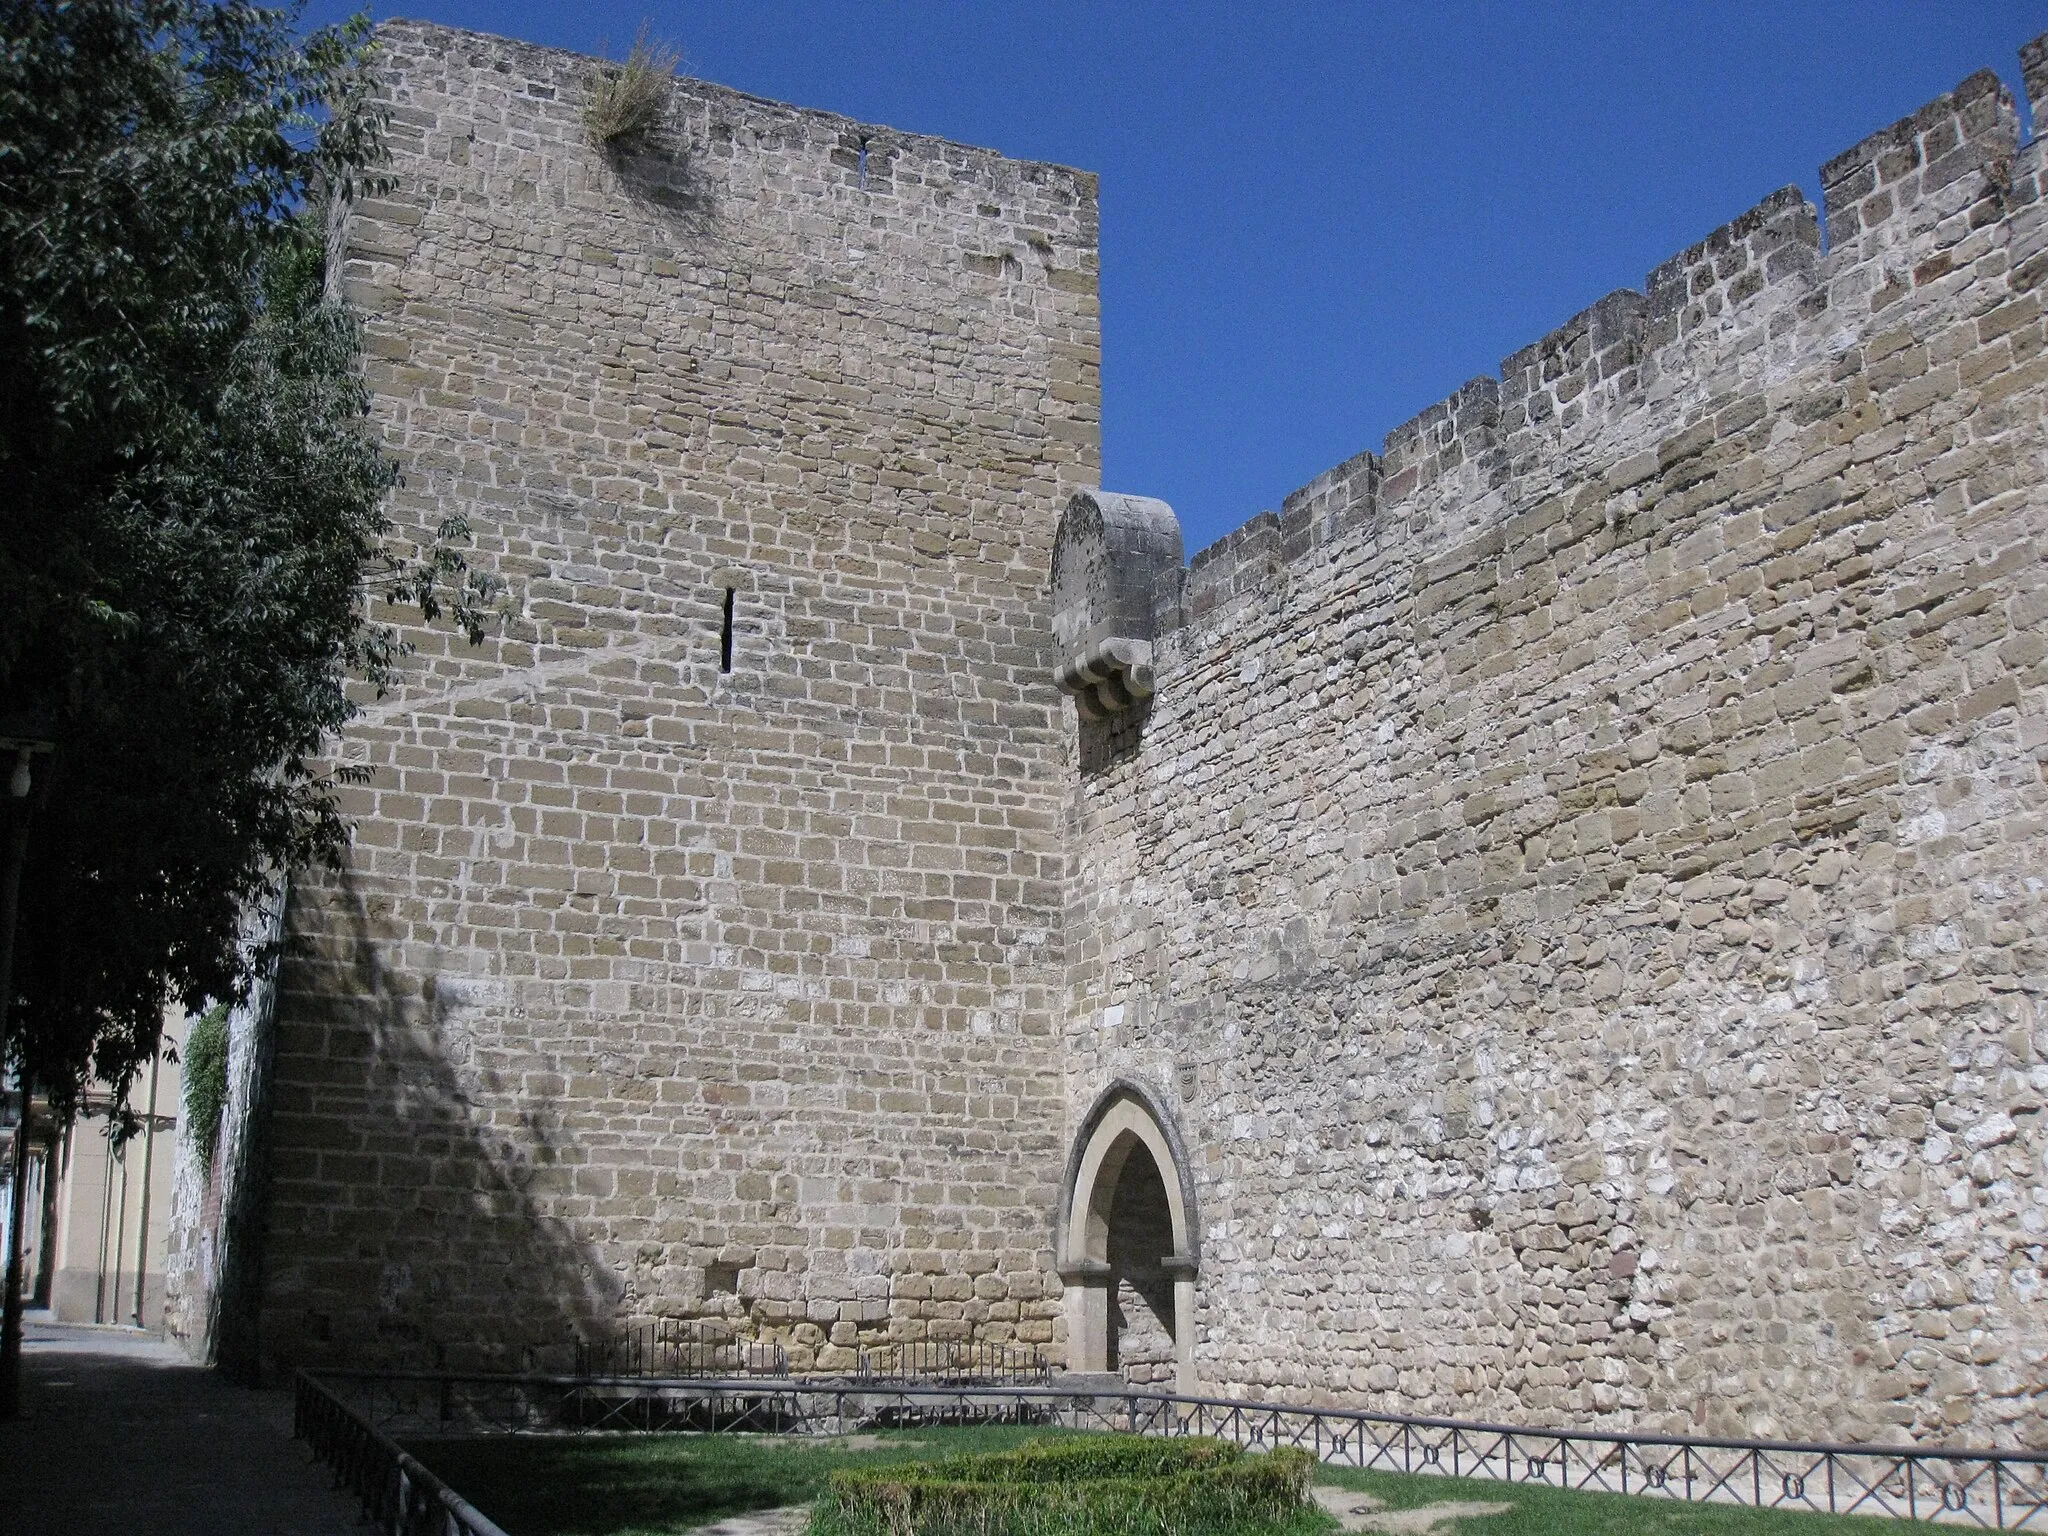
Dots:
pixel 193 551
pixel 206 1079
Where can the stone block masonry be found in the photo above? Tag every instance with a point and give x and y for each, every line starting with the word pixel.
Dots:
pixel 1547 925
pixel 1579 879
pixel 701 944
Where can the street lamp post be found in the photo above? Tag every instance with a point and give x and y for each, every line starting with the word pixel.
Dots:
pixel 26 788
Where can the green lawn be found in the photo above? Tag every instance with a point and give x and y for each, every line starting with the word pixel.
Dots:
pixel 650 1485
pixel 1540 1511
pixel 653 1485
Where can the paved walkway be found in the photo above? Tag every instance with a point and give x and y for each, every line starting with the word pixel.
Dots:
pixel 120 1433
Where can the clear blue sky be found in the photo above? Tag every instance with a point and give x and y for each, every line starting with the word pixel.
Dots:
pixel 1319 219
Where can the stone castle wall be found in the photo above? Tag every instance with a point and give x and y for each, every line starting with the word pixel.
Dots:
pixel 1579 879
pixel 652 988
pixel 1573 879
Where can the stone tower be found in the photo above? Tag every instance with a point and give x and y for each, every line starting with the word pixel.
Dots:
pixel 703 938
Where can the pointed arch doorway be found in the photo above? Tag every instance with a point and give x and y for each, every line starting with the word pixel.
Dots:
pixel 1129 1244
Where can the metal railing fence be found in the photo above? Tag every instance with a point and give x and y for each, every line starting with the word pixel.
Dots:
pixel 1985 1489
pixel 672 1347
pixel 954 1362
pixel 398 1495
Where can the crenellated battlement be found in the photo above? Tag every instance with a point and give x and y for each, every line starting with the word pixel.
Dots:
pixel 1878 187
pixel 1240 562
pixel 2034 74
pixel 1624 370
pixel 1441 438
pixel 1775 243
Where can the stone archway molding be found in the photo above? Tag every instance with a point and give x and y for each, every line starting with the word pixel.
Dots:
pixel 1125 1115
pixel 1168 1149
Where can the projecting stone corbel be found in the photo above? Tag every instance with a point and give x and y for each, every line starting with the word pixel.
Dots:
pixel 1107 678
pixel 1110 560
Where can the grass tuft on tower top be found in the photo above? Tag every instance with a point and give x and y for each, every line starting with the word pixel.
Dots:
pixel 628 100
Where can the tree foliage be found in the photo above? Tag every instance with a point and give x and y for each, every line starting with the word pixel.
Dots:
pixel 206 1079
pixel 192 538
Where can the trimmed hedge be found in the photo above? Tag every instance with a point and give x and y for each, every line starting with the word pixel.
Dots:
pixel 1100 1486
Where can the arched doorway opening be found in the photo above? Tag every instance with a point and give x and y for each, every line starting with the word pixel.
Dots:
pixel 1128 1257
pixel 1140 1290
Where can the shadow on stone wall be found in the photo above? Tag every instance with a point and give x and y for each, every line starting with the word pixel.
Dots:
pixel 411 1204
pixel 1105 743
pixel 1141 1292
pixel 661 169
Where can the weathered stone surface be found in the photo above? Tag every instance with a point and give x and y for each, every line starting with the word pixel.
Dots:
pixel 1114 558
pixel 1577 881
pixel 1580 877
pixel 656 989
